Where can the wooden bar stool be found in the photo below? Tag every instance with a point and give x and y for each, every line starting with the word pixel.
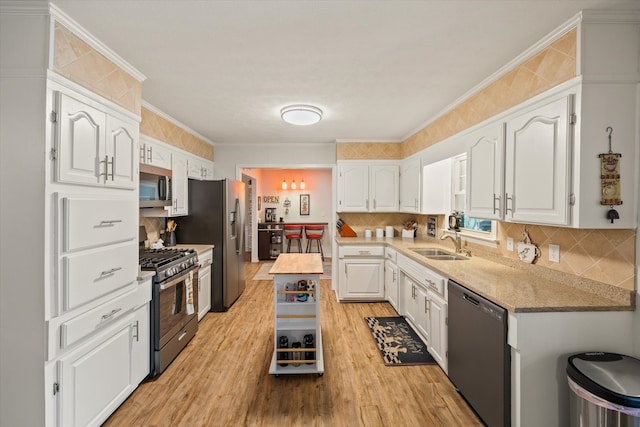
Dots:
pixel 314 232
pixel 293 232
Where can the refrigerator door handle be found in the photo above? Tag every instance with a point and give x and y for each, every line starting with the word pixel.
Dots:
pixel 237 226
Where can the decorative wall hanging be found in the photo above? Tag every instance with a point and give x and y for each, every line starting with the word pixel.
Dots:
pixel 286 204
pixel 305 200
pixel 527 251
pixel 610 179
pixel 271 199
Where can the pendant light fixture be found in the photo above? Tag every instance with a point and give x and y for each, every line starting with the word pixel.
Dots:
pixel 284 184
pixel 302 184
pixel 301 115
pixel 293 185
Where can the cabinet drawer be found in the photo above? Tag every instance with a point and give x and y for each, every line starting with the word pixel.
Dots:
pixel 423 275
pixel 206 258
pixel 390 254
pixel 360 251
pixel 89 275
pixel 89 322
pixel 94 222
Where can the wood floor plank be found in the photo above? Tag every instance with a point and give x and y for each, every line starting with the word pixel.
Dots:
pixel 221 378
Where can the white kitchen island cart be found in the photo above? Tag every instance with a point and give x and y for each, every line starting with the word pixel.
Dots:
pixel 297 335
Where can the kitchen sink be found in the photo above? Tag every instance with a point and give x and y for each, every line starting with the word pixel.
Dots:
pixel 438 254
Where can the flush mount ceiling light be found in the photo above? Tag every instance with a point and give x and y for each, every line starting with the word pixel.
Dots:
pixel 301 115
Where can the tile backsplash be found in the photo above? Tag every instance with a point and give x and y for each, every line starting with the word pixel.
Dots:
pixel 606 256
pixel 154 227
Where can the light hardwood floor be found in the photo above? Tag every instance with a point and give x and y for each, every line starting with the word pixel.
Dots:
pixel 221 378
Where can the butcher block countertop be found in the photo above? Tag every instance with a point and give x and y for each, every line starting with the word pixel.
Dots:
pixel 514 285
pixel 297 264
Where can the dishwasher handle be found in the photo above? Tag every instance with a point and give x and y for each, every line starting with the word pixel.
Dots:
pixel 471 299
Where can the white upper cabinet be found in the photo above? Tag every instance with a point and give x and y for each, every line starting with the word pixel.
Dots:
pixel 154 154
pixel 94 147
pixel 436 188
pixel 538 163
pixel 199 168
pixel 410 186
pixel 363 187
pixel 485 172
pixel 179 185
pixel 384 182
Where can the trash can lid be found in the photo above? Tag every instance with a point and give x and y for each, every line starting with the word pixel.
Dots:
pixel 610 376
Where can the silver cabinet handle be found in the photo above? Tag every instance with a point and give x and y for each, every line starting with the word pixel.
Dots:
pixel 496 199
pixel 113 168
pixel 394 277
pixel 106 167
pixel 364 252
pixel 149 154
pixel 111 313
pixel 136 327
pixel 367 204
pixel 507 198
pixel 108 272
pixel 374 204
pixel 142 151
pixel 109 222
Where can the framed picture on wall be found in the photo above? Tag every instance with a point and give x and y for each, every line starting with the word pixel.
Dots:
pixel 304 204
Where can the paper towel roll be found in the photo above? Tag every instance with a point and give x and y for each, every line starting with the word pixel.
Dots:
pixel 388 231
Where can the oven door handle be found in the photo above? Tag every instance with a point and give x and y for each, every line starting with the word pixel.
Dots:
pixel 175 280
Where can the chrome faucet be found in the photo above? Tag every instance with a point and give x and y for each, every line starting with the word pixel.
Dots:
pixel 457 241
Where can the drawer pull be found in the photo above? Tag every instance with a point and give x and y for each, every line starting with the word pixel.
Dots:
pixel 109 221
pixel 110 315
pixel 364 252
pixel 136 327
pixel 108 272
pixel 184 334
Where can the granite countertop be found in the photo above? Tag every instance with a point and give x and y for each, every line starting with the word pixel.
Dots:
pixel 518 289
pixel 297 264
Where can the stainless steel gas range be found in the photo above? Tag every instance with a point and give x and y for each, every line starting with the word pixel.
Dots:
pixel 174 304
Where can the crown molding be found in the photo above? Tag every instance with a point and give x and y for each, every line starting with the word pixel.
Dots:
pixel 372 141
pixel 24 7
pixel 58 15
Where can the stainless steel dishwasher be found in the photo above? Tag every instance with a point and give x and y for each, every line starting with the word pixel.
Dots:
pixel 479 357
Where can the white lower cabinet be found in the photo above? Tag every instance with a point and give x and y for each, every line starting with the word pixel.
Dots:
pixel 204 284
pixel 391 283
pixel 437 328
pixel 361 273
pixel 96 377
pixel 424 305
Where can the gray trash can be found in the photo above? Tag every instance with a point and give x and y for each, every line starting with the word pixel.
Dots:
pixel 604 390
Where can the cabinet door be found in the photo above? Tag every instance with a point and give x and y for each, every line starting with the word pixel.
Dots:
pixel 194 168
pixel 81 158
pixel 157 155
pixel 391 283
pixel 437 321
pixel 180 185
pixel 361 279
pixel 207 170
pixel 96 378
pixel 485 173
pixel 204 291
pixel 538 165
pixel 384 185
pixel 422 315
pixel 436 188
pixel 410 186
pixel 409 298
pixel 121 153
pixel 141 345
pixel 353 188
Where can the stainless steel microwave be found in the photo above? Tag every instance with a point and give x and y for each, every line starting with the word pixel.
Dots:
pixel 155 186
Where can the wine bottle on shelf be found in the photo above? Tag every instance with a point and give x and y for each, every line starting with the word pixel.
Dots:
pixel 283 342
pixel 297 355
pixel 309 343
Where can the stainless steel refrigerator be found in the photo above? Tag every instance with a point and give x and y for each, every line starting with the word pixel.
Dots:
pixel 216 217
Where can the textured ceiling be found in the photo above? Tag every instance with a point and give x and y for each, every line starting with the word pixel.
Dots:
pixel 379 70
